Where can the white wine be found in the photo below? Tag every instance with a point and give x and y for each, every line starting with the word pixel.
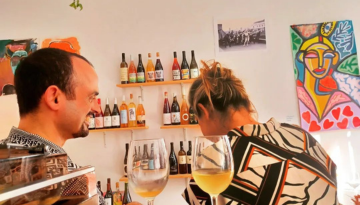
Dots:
pixel 213 181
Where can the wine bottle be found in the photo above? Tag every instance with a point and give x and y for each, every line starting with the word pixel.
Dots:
pixel 182 159
pixel 189 158
pixel 166 111
pixel 192 116
pixel 132 71
pixel 185 73
pixel 117 197
pixel 124 113
pixel 173 161
pixel 107 115
pixel 194 70
pixel 175 111
pixel 132 112
pixel 176 72
pixel 184 112
pixel 99 188
pixel 125 158
pixel 151 158
pixel 140 114
pixel 159 71
pixel 91 121
pixel 138 159
pixel 115 115
pixel 124 70
pixel 140 72
pixel 99 117
pixel 127 197
pixel 145 159
pixel 150 70
pixel 109 195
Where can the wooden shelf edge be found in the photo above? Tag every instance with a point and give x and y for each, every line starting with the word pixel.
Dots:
pixel 179 126
pixel 178 176
pixel 120 129
pixel 154 83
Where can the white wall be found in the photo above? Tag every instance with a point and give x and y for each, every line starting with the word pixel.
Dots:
pixel 107 28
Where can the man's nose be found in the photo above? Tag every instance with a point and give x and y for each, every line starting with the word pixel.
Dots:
pixel 95 107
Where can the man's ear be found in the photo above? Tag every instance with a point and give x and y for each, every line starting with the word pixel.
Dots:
pixel 51 97
pixel 204 111
pixel 300 56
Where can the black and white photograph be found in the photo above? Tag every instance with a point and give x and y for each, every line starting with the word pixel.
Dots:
pixel 240 34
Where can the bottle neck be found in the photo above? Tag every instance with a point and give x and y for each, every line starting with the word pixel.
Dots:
pixel 126 187
pixel 172 147
pixel 108 187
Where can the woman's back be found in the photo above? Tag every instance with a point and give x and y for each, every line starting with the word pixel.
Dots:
pixel 275 163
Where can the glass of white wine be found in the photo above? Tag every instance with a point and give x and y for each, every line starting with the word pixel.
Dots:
pixel 148 168
pixel 213 164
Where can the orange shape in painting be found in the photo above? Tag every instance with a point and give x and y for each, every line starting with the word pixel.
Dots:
pixel 67 44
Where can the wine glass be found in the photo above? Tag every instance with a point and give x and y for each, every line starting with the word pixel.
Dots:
pixel 148 170
pixel 213 165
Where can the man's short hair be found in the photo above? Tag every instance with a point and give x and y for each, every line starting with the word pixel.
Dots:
pixel 8 89
pixel 38 71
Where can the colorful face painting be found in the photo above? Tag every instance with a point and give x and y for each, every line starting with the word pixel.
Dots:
pixel 67 44
pixel 11 52
pixel 327 75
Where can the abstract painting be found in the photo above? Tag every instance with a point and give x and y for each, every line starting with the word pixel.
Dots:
pixel 327 75
pixel 11 51
pixel 70 44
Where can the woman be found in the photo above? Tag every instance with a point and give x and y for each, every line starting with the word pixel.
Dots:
pixel 274 163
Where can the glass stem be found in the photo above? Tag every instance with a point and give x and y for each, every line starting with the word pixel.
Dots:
pixel 213 199
pixel 150 202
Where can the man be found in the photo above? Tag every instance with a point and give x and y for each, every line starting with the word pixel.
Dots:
pixel 56 90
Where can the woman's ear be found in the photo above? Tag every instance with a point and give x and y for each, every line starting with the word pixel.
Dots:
pixel 204 111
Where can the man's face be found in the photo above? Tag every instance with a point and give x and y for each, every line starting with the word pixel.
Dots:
pixel 74 114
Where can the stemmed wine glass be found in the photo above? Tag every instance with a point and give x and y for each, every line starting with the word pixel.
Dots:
pixel 148 169
pixel 213 165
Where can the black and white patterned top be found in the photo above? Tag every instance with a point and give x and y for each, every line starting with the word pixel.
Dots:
pixel 21 137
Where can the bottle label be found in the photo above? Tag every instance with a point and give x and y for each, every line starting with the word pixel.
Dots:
pixel 192 119
pixel 185 74
pixel 176 75
pixel 115 120
pixel 188 159
pixel 194 73
pixel 138 164
pixel 117 198
pixel 175 117
pixel 132 114
pixel 132 77
pixel 99 122
pixel 185 117
pixel 124 117
pixel 140 119
pixel 108 201
pixel 167 119
pixel 92 123
pixel 151 164
pixel 159 74
pixel 140 77
pixel 150 75
pixel 124 74
pixel 107 121
pixel 157 162
pixel 182 159
pixel 145 164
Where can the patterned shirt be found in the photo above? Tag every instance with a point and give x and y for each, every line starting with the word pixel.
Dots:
pixel 21 137
pixel 274 163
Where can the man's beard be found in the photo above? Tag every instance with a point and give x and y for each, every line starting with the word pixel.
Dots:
pixel 83 132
